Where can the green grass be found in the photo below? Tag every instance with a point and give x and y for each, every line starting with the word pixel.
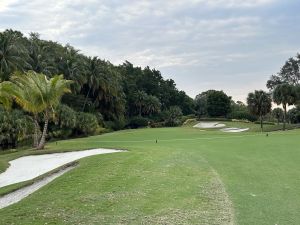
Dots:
pixel 188 177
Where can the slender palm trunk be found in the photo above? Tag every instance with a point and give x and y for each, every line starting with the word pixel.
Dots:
pixel 140 113
pixel 86 97
pixel 43 138
pixel 284 116
pixel 36 132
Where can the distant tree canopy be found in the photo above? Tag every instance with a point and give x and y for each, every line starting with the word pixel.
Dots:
pixel 285 94
pixel 289 73
pixel 212 103
pixel 259 104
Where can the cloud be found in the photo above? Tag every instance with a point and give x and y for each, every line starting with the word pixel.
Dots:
pixel 236 3
pixel 206 39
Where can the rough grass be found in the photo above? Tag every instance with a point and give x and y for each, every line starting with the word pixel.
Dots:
pixel 188 177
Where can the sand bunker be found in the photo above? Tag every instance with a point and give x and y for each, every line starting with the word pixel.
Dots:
pixel 18 195
pixel 209 125
pixel 29 167
pixel 234 129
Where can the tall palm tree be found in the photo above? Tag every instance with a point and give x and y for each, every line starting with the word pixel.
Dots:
pixel 285 94
pixel 39 56
pixel 93 81
pixel 140 99
pixel 35 93
pixel 152 105
pixel 12 54
pixel 260 104
pixel 71 64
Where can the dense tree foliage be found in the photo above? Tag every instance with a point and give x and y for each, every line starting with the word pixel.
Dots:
pixel 15 127
pixel 293 115
pixel 113 93
pixel 277 113
pixel 289 73
pixel 212 103
pixel 260 104
pixel 240 111
pixel 285 94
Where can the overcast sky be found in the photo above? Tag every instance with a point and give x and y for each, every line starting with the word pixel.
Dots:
pixel 230 45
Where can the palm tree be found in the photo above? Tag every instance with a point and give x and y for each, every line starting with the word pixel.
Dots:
pixel 35 93
pixel 5 98
pixel 71 64
pixel 152 105
pixel 39 56
pixel 278 114
pixel 12 54
pixel 93 81
pixel 259 104
pixel 284 94
pixel 140 99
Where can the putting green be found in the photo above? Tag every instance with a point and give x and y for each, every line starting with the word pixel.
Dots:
pixel 188 177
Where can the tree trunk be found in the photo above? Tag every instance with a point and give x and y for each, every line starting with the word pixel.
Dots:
pixel 284 116
pixel 43 138
pixel 36 132
pixel 87 95
pixel 140 113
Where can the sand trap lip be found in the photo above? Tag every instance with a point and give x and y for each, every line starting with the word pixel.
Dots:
pixel 29 167
pixel 209 125
pixel 21 193
pixel 234 129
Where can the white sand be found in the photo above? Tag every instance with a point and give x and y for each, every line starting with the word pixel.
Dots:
pixel 29 167
pixel 209 125
pixel 234 129
pixel 18 195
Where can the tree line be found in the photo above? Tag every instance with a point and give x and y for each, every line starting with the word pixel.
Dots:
pixel 98 96
pixel 101 94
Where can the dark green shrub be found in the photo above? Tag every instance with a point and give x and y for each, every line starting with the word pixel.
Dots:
pixel 66 117
pixel 242 115
pixel 15 127
pixel 265 122
pixel 63 123
pixel 137 122
pixel 173 116
pixel 100 119
pixel 115 125
pixel 87 123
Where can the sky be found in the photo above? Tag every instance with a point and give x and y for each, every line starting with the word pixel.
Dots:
pixel 229 45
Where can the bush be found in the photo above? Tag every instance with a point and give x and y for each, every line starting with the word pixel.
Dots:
pixel 66 117
pixel 115 125
pixel 265 122
pixel 87 123
pixel 173 116
pixel 242 115
pixel 15 127
pixel 100 119
pixel 137 122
